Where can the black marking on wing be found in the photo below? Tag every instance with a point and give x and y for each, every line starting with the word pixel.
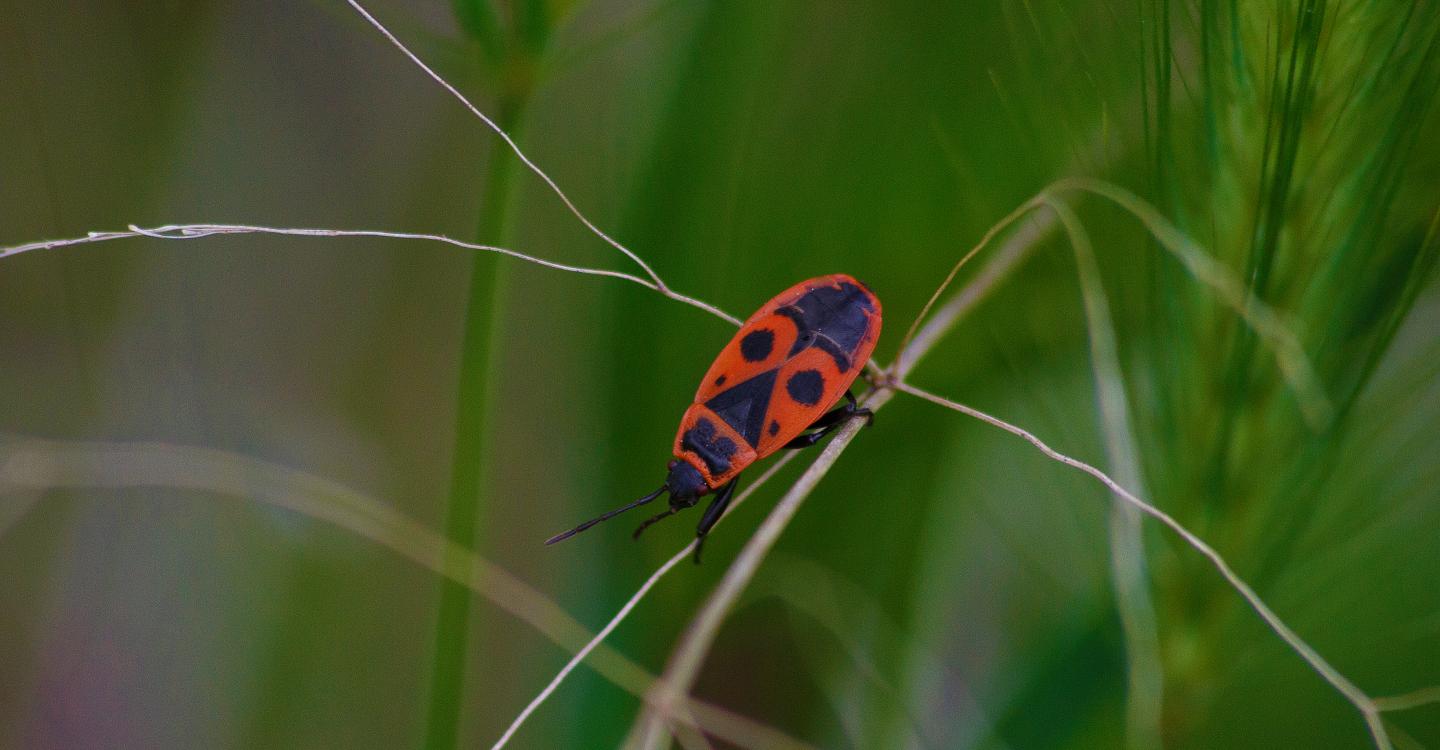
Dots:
pixel 720 381
pixel 774 428
pixel 757 345
pixel 743 406
pixel 712 448
pixel 831 318
pixel 806 387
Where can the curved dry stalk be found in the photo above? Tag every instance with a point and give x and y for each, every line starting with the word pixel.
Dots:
pixel 1412 699
pixel 1290 356
pixel 1145 692
pixel 585 650
pixel 654 281
pixel 197 231
pixel 691 738
pixel 1015 249
pixel 689 654
pixel 629 605
pixel 33 466
pixel 985 240
pixel 1348 689
pixel 515 147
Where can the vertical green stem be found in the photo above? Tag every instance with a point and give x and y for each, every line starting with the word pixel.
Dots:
pixel 452 625
pixel 1145 694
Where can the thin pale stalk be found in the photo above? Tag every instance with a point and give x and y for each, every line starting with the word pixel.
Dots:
pixel 515 147
pixel 1127 542
pixel 1348 689
pixel 1407 701
pixel 690 738
pixel 1015 249
pixel 985 240
pixel 689 654
pixel 1290 356
pixel 629 605
pixel 470 462
pixel 197 231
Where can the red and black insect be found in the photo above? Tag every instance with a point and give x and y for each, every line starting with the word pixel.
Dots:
pixel 772 387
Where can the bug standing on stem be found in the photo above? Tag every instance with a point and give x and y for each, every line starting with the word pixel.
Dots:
pixel 772 387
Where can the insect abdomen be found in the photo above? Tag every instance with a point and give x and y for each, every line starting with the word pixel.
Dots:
pixel 790 362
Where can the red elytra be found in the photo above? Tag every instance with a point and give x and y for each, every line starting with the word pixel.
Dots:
pixel 772 387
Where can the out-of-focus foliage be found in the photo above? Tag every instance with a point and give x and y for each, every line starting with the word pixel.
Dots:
pixel 946 586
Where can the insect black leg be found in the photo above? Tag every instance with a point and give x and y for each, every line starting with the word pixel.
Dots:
pixel 852 409
pixel 712 515
pixel 676 505
pixel 831 420
pixel 651 520
pixel 822 427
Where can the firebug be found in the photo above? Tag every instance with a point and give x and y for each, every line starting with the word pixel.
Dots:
pixel 772 387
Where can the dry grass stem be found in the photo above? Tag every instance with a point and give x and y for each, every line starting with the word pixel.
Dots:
pixel 689 654
pixel 197 231
pixel 1357 697
pixel 1145 692
pixel 515 147
pixel 1413 699
pixel 1015 249
pixel 629 605
pixel 1290 356
pixel 985 240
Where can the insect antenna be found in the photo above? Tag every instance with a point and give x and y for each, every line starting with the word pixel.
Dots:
pixel 566 535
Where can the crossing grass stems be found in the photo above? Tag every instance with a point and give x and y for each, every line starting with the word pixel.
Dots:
pixel 667 701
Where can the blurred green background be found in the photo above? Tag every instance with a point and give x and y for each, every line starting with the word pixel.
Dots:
pixel 946 586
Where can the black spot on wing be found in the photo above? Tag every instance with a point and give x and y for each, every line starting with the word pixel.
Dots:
pixel 806 387
pixel 831 318
pixel 713 448
pixel 774 428
pixel 720 381
pixel 757 345
pixel 743 405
